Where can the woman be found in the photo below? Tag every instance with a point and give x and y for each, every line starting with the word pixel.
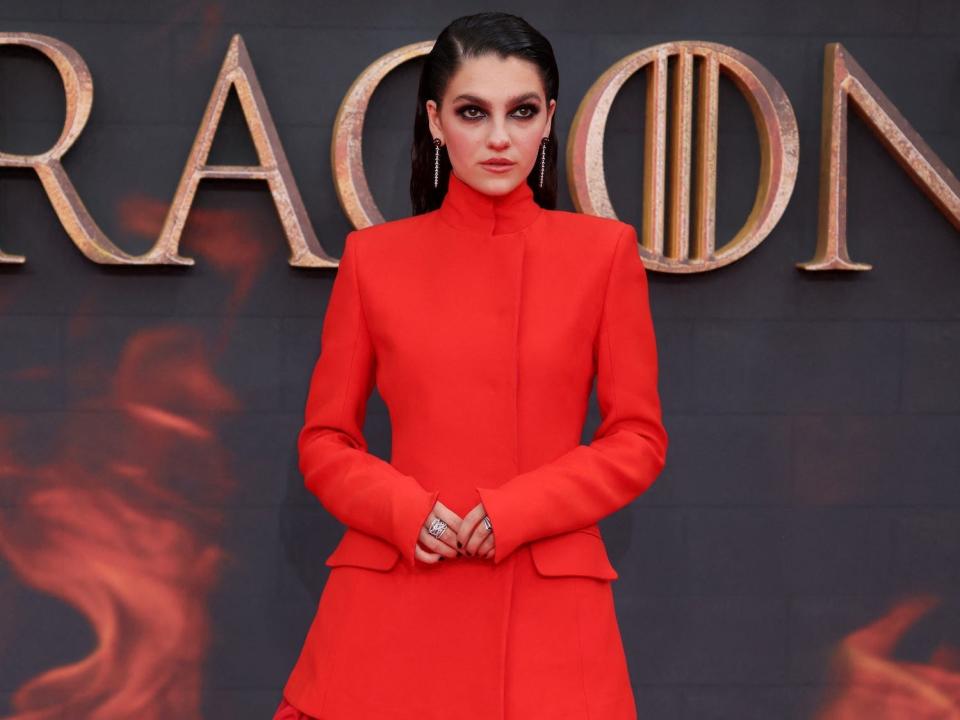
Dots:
pixel 472 581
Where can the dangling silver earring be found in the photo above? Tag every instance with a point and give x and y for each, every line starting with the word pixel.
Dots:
pixel 543 158
pixel 436 162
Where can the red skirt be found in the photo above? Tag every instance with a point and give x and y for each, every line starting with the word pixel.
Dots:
pixel 286 711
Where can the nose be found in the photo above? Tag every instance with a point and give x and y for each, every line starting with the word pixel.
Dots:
pixel 498 138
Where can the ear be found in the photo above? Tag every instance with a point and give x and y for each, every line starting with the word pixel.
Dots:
pixel 433 117
pixel 553 108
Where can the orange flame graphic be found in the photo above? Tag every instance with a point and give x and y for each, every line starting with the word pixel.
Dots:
pixel 871 685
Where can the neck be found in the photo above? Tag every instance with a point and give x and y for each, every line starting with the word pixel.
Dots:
pixel 470 209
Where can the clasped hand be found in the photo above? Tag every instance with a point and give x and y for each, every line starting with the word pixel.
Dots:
pixel 462 536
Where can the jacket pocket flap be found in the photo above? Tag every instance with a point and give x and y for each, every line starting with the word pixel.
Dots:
pixel 362 550
pixel 580 553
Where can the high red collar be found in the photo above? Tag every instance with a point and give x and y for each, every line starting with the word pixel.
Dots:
pixel 469 209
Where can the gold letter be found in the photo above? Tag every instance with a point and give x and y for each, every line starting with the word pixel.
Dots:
pixel 346 151
pixel 843 78
pixel 779 151
pixel 237 71
pixel 73 214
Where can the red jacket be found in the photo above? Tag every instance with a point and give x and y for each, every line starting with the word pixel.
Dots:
pixel 483 325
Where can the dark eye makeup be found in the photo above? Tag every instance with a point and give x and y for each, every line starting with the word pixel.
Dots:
pixel 466 111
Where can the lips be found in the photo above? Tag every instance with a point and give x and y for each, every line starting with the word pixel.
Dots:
pixel 497 169
pixel 498 163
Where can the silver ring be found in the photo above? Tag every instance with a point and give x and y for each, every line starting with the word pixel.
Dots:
pixel 486 523
pixel 437 527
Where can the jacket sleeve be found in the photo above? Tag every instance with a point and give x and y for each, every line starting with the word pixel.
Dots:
pixel 628 449
pixel 359 489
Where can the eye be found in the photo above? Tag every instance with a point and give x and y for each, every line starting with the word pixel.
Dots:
pixel 532 110
pixel 466 109
pixel 472 112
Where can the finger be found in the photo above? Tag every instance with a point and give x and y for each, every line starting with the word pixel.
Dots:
pixel 470 521
pixel 434 545
pixel 448 537
pixel 465 536
pixel 486 547
pixel 424 556
pixel 479 535
pixel 448 516
pixel 453 521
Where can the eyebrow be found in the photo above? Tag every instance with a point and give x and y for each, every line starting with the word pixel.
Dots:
pixel 512 101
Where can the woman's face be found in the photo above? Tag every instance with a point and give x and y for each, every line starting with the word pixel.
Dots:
pixel 493 108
